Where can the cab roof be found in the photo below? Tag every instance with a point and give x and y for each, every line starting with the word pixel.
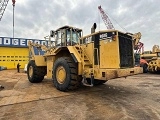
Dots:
pixel 69 27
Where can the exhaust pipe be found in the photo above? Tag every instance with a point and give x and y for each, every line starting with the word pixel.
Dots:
pixel 93 28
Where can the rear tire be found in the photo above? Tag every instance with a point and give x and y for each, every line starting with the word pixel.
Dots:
pixel 35 74
pixel 145 68
pixel 65 74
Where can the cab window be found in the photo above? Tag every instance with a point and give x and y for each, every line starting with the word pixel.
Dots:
pixel 58 37
pixel 65 37
pixel 68 36
pixel 75 37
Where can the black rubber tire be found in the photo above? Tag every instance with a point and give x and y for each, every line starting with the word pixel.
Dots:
pixel 96 82
pixel 72 80
pixel 38 72
pixel 145 68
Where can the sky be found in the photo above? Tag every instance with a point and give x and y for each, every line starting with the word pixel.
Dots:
pixel 34 18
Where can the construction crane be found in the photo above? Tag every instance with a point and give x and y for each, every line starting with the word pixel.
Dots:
pixel 3 5
pixel 139 47
pixel 105 18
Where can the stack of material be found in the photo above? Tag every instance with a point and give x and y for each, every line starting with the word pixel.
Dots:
pixel 3 68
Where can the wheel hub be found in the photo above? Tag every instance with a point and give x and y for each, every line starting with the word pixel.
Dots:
pixel 61 74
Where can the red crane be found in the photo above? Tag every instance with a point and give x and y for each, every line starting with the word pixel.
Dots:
pixel 105 18
pixel 13 1
pixel 139 47
pixel 3 5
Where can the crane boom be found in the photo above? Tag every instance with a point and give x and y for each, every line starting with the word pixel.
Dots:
pixel 3 5
pixel 105 18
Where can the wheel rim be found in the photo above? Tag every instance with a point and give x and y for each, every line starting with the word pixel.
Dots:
pixel 30 71
pixel 61 74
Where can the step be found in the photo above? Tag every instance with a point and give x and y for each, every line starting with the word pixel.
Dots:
pixel 87 63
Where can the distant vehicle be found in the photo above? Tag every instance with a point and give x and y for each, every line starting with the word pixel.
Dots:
pixel 154 64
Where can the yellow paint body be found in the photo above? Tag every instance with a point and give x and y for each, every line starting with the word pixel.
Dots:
pixel 109 61
pixel 103 61
pixel 115 73
pixel 148 57
pixel 50 61
pixel 153 59
pixel 154 64
pixel 40 60
pixel 109 54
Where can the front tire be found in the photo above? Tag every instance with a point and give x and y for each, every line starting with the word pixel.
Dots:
pixel 65 74
pixel 35 74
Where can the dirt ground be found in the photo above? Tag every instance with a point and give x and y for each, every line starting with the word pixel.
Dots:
pixel 134 98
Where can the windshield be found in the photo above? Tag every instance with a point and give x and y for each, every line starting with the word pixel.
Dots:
pixel 65 37
pixel 75 36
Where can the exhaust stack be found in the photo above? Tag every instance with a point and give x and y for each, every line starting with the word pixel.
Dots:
pixel 93 28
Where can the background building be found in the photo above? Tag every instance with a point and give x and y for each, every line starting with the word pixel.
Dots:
pixel 13 51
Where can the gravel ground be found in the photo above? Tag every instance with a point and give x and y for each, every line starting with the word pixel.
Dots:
pixel 132 98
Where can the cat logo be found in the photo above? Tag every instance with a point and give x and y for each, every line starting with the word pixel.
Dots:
pixel 103 36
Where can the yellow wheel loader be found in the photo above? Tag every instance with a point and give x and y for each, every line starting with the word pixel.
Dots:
pixel 149 58
pixel 70 58
pixel 154 63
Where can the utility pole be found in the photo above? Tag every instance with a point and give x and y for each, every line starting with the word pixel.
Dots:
pixel 13 1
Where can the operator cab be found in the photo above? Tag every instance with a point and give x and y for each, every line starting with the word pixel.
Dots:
pixel 158 53
pixel 66 36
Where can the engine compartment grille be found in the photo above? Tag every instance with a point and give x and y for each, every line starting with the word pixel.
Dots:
pixel 125 50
